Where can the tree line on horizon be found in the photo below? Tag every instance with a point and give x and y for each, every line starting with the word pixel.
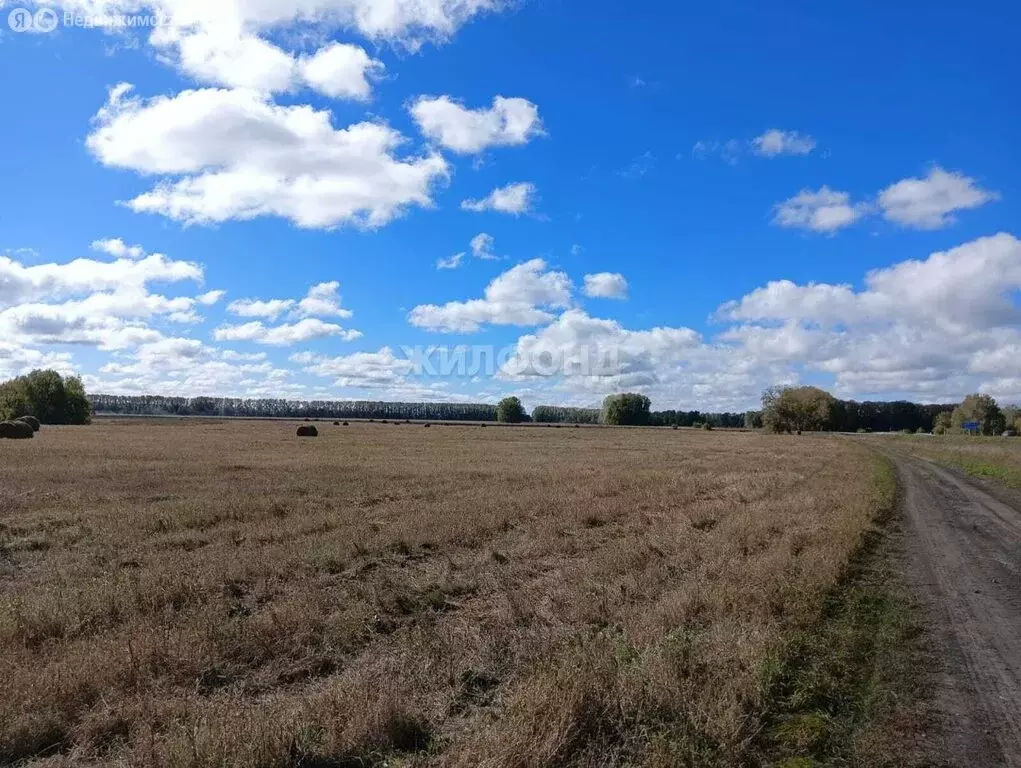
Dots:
pixel 630 409
pixel 158 405
pixel 54 399
pixel 811 409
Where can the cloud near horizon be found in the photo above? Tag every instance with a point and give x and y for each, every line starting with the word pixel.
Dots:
pixel 930 329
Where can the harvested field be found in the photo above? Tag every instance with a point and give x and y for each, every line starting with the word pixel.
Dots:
pixel 225 593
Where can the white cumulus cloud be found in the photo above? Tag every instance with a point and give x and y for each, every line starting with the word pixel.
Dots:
pixel 116 247
pixel 283 335
pixel 227 56
pixel 107 304
pixel 16 360
pixel 776 142
pixel 322 300
pixel 772 143
pixel 360 369
pixel 233 154
pixel 600 354
pixel 920 328
pixel 508 122
pixel 452 262
pixel 341 71
pixel 482 246
pixel 826 210
pixel 515 199
pixel 523 295
pixel 606 285
pixel 930 203
pixel 270 309
pixel 226 42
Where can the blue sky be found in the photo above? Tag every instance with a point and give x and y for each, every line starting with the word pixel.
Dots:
pixel 726 176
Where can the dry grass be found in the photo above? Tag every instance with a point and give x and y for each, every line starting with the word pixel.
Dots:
pixel 994 458
pixel 195 593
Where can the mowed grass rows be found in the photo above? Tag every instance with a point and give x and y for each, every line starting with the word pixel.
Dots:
pixel 223 593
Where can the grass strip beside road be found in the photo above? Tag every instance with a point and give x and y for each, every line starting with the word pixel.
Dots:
pixel 848 690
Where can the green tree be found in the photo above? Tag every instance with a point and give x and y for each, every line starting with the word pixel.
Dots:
pixel 14 399
pixel 982 409
pixel 943 423
pixel 510 411
pixel 753 420
pixel 626 410
pixel 78 408
pixel 1012 415
pixel 802 409
pixel 47 396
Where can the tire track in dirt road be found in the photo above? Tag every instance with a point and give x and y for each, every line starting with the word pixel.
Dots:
pixel 965 557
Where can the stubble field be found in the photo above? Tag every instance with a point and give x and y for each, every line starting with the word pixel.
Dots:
pixel 181 592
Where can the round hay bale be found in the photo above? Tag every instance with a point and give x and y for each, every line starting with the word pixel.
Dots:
pixel 307 430
pixel 336 423
pixel 16 430
pixel 427 425
pixel 345 423
pixel 32 421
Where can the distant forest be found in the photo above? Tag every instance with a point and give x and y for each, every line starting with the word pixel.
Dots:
pixel 156 405
pixel 848 416
pixel 828 414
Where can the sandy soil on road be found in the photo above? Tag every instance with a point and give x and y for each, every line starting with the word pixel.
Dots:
pixel 965 556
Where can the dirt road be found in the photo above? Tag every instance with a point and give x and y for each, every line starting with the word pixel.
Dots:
pixel 965 550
